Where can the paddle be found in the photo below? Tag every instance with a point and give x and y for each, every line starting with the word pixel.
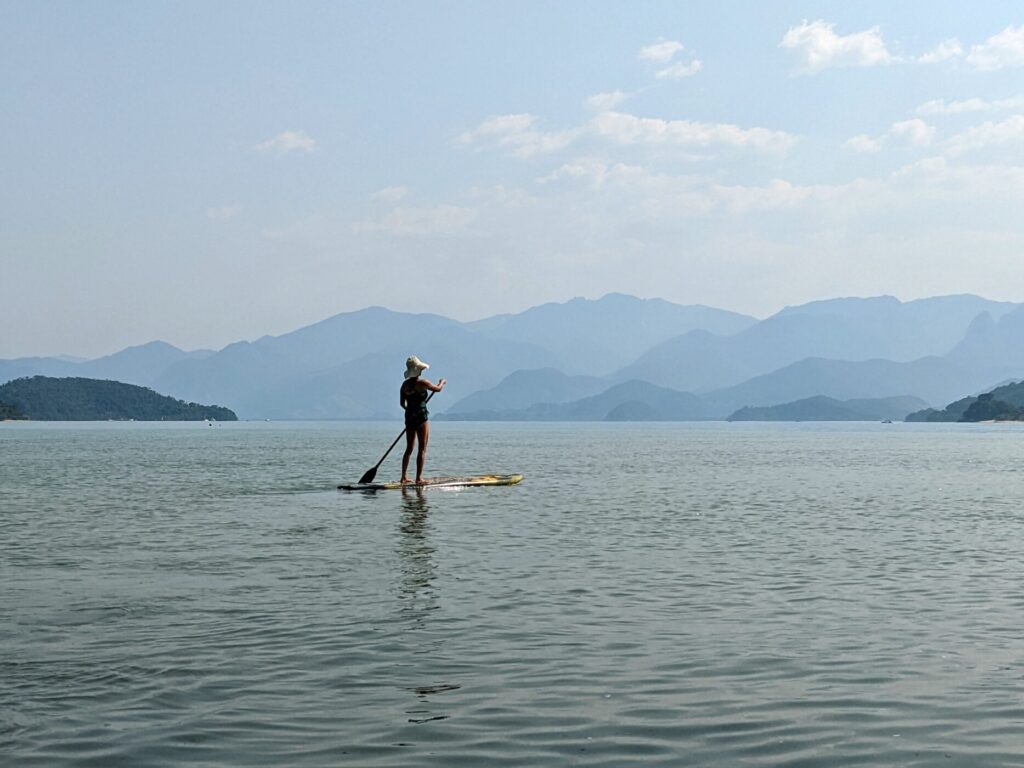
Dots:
pixel 372 472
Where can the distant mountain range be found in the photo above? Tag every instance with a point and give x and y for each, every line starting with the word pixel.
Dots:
pixel 617 357
pixel 822 408
pixel 133 365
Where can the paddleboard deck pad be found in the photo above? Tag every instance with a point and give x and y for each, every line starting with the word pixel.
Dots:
pixel 437 482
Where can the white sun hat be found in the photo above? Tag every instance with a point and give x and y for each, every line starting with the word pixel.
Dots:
pixel 414 367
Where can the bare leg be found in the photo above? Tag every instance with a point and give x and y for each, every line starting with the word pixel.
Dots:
pixel 410 439
pixel 421 455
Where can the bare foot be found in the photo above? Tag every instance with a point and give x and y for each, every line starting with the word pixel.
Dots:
pixel 404 481
pixel 419 481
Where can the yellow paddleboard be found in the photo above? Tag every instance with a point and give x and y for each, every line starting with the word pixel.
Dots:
pixel 437 482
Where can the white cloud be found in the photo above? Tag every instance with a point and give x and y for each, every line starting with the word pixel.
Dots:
pixel 1009 131
pixel 820 47
pixel 601 223
pixel 652 199
pixel 916 132
pixel 389 194
pixel 947 49
pixel 517 133
pixel 224 212
pixel 989 186
pixel 660 52
pixel 680 69
pixel 586 169
pixel 779 194
pixel 863 144
pixel 631 195
pixel 663 52
pixel 436 221
pixel 626 129
pixel 942 107
pixel 602 102
pixel 499 126
pixel 1000 51
pixel 287 141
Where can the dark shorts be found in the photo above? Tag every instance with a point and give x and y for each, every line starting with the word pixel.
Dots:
pixel 415 420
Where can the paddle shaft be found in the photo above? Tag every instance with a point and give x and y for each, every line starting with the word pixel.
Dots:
pixel 372 473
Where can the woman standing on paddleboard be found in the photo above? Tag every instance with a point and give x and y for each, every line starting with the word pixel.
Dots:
pixel 413 396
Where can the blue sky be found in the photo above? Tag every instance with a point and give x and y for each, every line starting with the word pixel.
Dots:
pixel 208 172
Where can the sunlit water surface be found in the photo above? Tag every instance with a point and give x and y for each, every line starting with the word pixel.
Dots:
pixel 651 595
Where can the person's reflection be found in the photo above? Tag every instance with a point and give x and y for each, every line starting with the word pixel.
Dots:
pixel 420 596
pixel 416 555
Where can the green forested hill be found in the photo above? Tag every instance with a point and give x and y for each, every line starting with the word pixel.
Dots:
pixel 1005 403
pixel 44 398
pixel 9 412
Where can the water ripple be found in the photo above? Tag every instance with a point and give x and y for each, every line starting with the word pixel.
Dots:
pixel 652 595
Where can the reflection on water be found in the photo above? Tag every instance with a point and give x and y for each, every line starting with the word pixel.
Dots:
pixel 749 595
pixel 420 600
pixel 416 554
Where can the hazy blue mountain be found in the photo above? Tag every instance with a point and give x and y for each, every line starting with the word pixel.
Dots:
pixel 994 344
pixel 238 376
pixel 933 379
pixel 628 401
pixel 640 401
pixel 822 408
pixel 353 390
pixel 694 362
pixel 367 388
pixel 594 338
pixel 701 362
pixel 837 329
pixel 904 331
pixel 21 367
pixel 840 380
pixel 348 367
pixel 140 365
pixel 351 335
pixel 525 388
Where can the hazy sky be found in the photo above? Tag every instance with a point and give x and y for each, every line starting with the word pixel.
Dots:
pixel 203 172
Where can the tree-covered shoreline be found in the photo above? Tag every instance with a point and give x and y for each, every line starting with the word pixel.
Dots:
pixel 45 398
pixel 9 413
pixel 1005 403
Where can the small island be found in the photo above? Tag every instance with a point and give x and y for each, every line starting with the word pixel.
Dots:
pixel 44 398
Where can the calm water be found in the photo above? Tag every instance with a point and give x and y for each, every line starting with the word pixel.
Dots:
pixel 651 595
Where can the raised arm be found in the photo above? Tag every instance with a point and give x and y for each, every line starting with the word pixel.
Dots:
pixel 434 387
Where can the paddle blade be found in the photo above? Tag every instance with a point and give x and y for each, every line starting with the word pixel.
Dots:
pixel 368 476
